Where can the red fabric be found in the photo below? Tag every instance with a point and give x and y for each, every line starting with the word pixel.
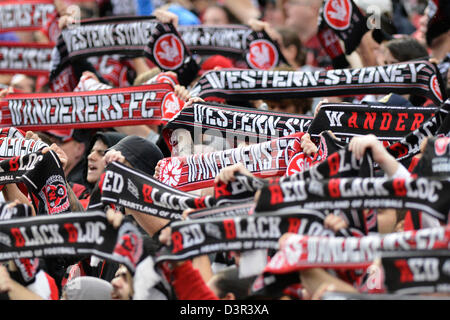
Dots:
pixel 54 293
pixel 189 284
pixel 85 202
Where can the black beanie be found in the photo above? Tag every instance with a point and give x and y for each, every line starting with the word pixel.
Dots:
pixel 140 153
pixel 439 19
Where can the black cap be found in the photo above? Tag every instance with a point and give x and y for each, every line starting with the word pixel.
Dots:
pixel 140 153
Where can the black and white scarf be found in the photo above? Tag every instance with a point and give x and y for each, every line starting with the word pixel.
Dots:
pixel 191 238
pixel 238 41
pixel 234 123
pixel 127 36
pixel 416 272
pixel 71 234
pixel 419 78
pixel 435 160
pixel 426 195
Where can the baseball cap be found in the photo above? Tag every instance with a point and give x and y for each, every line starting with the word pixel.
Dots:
pixel 140 153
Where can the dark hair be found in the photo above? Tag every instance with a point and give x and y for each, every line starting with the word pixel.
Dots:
pixel 290 37
pixel 228 281
pixel 406 49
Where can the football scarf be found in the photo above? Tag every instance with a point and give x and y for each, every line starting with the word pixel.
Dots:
pixel 26 15
pixel 416 272
pixel 128 36
pixel 11 212
pixel 234 123
pixel 26 268
pixel 240 209
pixel 191 238
pixel 238 41
pixel 16 147
pixel 93 109
pixel 300 252
pixel 25 58
pixel 44 178
pixel 435 160
pixel 198 171
pixel 426 195
pixel 132 189
pixel 330 42
pixel 409 145
pixel 346 20
pixel 71 234
pixel 386 122
pixel 419 78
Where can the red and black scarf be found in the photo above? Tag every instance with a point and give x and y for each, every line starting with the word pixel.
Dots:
pixel 25 58
pixel 26 15
pixel 94 109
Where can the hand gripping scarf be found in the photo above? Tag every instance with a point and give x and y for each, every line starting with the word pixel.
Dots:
pixel 71 234
pixel 416 272
pixel 128 36
pixel 427 195
pixel 44 178
pixel 388 123
pixel 415 77
pixel 25 58
pixel 198 171
pixel 191 238
pixel 234 123
pixel 409 145
pixel 26 15
pixel 123 186
pixel 301 252
pixel 94 109
pixel 237 41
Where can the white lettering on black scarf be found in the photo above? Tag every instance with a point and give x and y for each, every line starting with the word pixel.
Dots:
pixel 71 234
pixel 418 77
pixel 191 238
pixel 427 195
pixel 416 272
pixel 236 122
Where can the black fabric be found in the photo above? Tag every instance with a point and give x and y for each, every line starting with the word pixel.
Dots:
pixel 438 19
pixel 346 20
pixel 414 77
pixel 435 160
pixel 140 153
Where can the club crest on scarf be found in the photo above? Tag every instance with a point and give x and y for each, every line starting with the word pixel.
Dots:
pixel 171 172
pixel 300 162
pixel 262 55
pixel 434 85
pixel 170 105
pixel 441 146
pixel 129 244
pixel 169 51
pixel 338 13
pixel 55 194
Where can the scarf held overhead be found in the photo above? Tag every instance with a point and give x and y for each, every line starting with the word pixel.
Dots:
pixel 198 171
pixel 95 109
pixel 26 15
pixel 71 234
pixel 232 121
pixel 25 58
pixel 427 195
pixel 418 78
